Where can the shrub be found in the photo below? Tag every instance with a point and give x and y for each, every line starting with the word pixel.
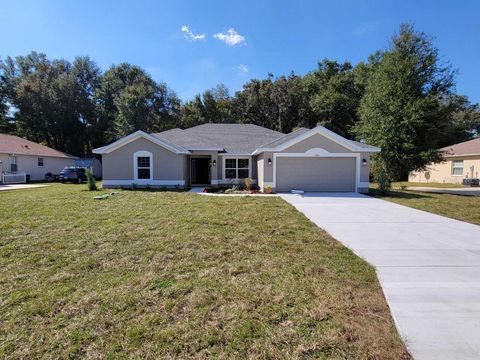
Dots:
pixel 267 189
pixel 381 176
pixel 248 183
pixel 91 183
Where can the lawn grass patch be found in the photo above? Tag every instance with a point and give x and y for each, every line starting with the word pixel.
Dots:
pixel 405 184
pixel 464 208
pixel 176 275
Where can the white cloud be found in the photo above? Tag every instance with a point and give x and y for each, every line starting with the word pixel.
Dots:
pixel 243 69
pixel 190 35
pixel 231 37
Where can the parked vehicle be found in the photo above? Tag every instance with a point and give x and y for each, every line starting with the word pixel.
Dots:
pixel 73 174
pixel 50 177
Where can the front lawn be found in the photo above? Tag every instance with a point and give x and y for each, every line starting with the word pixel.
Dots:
pixel 164 274
pixel 405 184
pixel 465 208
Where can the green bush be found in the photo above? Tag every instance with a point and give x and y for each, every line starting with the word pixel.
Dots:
pixel 381 175
pixel 91 183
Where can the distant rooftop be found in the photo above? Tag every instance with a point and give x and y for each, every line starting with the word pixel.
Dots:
pixel 10 144
pixel 470 147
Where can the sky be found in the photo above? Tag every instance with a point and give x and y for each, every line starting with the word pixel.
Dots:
pixel 195 45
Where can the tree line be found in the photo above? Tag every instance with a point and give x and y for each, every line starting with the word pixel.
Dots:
pixel 401 99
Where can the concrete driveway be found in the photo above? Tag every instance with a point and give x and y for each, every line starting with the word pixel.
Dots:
pixel 428 265
pixel 21 186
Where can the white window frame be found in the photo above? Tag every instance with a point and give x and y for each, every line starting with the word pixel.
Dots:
pixel 136 155
pixel 43 162
pixel 457 167
pixel 224 169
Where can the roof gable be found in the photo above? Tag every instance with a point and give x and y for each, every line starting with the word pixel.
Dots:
pixel 137 135
pixel 302 135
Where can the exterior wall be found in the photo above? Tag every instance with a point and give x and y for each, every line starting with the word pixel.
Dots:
pixel 442 172
pixel 29 164
pixel 265 170
pixel 365 170
pixel 97 168
pixel 316 141
pixel 168 167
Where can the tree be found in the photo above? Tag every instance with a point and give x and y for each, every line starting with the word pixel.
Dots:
pixel 129 100
pixel 402 111
pixel 334 96
pixel 52 100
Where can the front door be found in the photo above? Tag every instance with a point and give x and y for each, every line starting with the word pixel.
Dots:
pixel 200 171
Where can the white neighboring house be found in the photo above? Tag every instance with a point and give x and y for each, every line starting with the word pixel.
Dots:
pixel 21 159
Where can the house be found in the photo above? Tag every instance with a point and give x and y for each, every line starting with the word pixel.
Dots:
pixel 21 159
pixel 90 163
pixel 222 154
pixel 461 161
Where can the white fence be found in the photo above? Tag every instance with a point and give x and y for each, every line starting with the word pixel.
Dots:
pixel 17 178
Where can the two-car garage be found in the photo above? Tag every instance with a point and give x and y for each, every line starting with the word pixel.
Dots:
pixel 315 173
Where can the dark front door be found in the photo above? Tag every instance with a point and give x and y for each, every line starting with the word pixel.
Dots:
pixel 200 171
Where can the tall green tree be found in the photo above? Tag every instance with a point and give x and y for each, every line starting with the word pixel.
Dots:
pixel 402 111
pixel 52 100
pixel 334 96
pixel 129 99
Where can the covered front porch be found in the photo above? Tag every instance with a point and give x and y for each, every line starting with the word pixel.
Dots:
pixel 211 169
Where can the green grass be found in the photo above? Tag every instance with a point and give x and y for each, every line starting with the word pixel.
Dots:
pixel 465 208
pixel 178 275
pixel 400 184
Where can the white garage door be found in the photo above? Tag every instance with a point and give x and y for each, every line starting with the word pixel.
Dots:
pixel 315 174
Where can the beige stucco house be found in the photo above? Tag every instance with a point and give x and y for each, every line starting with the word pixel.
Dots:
pixel 461 161
pixel 21 158
pixel 223 154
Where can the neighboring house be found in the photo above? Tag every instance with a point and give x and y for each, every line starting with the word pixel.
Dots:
pixel 461 161
pixel 21 158
pixel 222 154
pixel 91 163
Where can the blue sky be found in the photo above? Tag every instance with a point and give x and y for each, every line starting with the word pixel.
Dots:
pixel 269 36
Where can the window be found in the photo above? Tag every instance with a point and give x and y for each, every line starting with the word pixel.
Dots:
pixel 237 168
pixel 457 167
pixel 40 162
pixel 142 165
pixel 13 163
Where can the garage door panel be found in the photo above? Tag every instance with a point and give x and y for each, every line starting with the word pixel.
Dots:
pixel 315 174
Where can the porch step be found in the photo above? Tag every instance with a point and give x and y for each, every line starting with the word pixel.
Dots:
pixel 196 190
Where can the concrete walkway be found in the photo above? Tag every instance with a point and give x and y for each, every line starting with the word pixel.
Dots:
pixel 467 191
pixel 21 186
pixel 428 265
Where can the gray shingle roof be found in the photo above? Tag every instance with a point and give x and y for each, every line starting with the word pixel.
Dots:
pixel 236 138
pixel 285 138
pixel 233 138
pixel 187 140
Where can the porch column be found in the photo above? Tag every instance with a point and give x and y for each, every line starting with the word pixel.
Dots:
pixel 214 169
